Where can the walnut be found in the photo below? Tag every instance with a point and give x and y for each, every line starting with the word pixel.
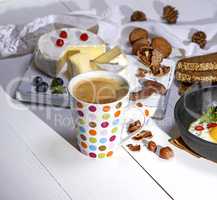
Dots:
pixel 170 14
pixel 162 45
pixel 147 92
pixel 160 71
pixel 166 153
pixel 134 126
pixel 158 88
pixel 135 147
pixel 199 38
pixel 141 73
pixel 142 135
pixel 156 58
pixel 149 56
pixel 146 134
pixel 144 54
pixel 138 34
pixel 138 16
pixel 149 87
pixel 152 146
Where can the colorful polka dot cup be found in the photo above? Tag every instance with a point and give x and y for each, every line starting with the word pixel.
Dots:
pixel 98 125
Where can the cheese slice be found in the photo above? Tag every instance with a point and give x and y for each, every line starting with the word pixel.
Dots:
pixel 108 56
pixel 92 52
pixel 78 58
pixel 79 63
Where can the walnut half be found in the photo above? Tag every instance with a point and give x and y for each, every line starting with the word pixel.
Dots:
pixel 166 153
pixel 134 126
pixel 142 135
pixel 135 147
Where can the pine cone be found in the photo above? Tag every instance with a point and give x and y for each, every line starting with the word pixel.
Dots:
pixel 170 14
pixel 199 37
pixel 138 16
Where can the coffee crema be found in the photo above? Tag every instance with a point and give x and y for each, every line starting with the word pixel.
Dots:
pixel 100 90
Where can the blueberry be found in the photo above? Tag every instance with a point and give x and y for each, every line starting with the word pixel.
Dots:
pixel 42 87
pixel 57 82
pixel 37 80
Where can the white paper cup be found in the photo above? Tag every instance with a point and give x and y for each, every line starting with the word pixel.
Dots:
pixel 98 126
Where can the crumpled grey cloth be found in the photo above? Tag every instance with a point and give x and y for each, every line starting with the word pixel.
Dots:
pixel 16 40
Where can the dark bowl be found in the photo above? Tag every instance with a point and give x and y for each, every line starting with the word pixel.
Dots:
pixel 188 109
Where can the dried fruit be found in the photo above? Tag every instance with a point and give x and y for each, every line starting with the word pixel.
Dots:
pixel 84 37
pixel 152 146
pixel 135 147
pixel 134 126
pixel 59 42
pixel 142 135
pixel 63 34
pixel 199 38
pixel 138 16
pixel 166 153
pixel 170 14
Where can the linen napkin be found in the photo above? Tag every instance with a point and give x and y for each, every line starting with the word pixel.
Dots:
pixel 16 40
pixel 179 35
pixel 21 39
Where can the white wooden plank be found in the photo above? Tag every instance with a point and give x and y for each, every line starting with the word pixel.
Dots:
pixel 22 175
pixel 185 176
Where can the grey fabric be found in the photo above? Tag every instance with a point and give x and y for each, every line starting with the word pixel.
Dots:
pixel 168 123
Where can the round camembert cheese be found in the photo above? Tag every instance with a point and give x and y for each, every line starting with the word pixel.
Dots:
pixel 55 49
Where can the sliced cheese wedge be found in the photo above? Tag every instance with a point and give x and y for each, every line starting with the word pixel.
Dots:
pixel 108 56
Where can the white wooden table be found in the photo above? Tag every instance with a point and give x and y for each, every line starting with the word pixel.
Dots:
pixel 35 161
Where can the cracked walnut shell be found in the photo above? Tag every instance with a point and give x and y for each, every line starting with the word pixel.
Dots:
pixel 138 16
pixel 170 14
pixel 199 37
